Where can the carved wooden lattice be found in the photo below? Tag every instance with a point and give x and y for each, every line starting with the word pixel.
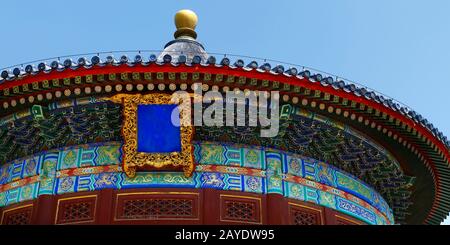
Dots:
pixel 76 212
pixel 303 217
pixel 340 221
pixel 22 217
pixel 156 208
pixel 240 211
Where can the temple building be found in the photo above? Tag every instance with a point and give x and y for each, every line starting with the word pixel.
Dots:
pixel 92 140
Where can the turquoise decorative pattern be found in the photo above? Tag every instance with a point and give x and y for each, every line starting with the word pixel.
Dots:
pixel 20 169
pixel 302 132
pixel 20 194
pixel 47 180
pixel 224 167
pixel 274 172
pixel 108 154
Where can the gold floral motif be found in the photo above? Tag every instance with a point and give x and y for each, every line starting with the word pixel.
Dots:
pixel 132 158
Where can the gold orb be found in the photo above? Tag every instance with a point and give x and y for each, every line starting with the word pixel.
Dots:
pixel 186 18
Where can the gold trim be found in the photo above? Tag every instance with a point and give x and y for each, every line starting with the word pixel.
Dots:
pixel 322 221
pixel 157 193
pixel 73 198
pixel 133 159
pixel 241 197
pixel 349 220
pixel 12 209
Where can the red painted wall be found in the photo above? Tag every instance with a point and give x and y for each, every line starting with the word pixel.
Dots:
pixel 170 206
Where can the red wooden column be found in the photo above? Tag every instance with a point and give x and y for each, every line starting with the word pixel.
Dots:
pixel 211 207
pixel 276 210
pixel 44 210
pixel 105 210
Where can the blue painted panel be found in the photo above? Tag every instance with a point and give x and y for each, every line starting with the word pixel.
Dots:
pixel 156 132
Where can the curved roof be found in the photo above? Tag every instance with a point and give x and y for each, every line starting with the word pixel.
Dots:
pixel 184 47
pixel 183 52
pixel 391 125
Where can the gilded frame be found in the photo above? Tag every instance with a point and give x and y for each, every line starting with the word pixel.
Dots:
pixel 133 159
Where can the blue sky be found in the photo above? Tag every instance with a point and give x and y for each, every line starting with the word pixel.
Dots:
pixel 400 48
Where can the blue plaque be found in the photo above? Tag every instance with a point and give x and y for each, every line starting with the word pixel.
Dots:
pixel 156 133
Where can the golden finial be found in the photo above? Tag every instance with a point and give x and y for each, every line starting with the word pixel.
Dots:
pixel 186 21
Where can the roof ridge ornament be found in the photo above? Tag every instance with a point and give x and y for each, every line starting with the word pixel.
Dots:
pixel 185 21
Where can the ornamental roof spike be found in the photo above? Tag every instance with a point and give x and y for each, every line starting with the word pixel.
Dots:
pixel 185 21
pixel 185 42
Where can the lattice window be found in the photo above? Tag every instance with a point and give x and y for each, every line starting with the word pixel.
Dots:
pixel 240 211
pixel 76 212
pixel 157 208
pixel 341 221
pixel 303 217
pixel 18 218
